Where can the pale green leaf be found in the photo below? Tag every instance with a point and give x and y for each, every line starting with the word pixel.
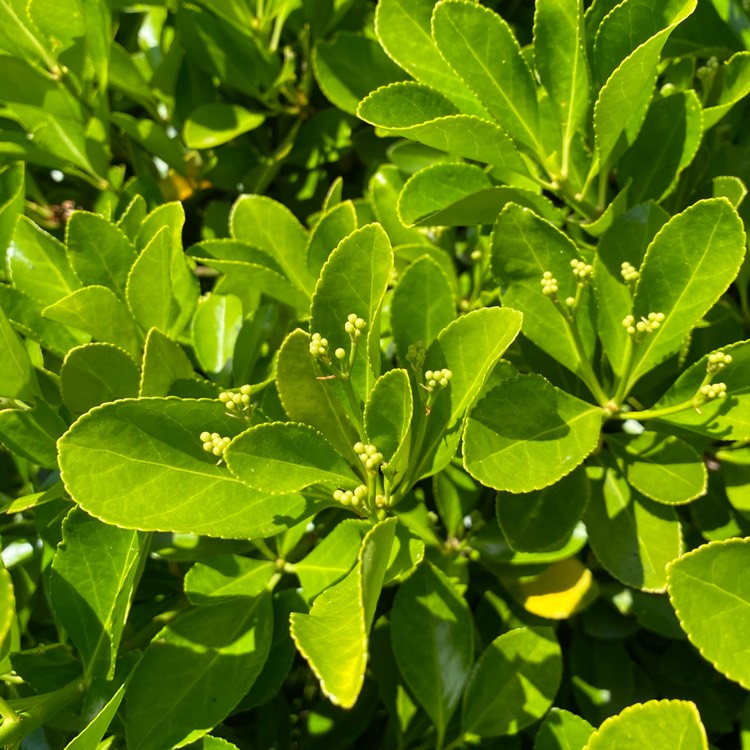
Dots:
pixel 216 325
pixel 12 193
pixel 735 86
pixel 562 730
pixel 211 125
pixel 386 187
pixel 17 376
pixel 332 227
pixel 223 577
pixel 7 610
pixel 32 433
pixel 169 216
pixel 164 362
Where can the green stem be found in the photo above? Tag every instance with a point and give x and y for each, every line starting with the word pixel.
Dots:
pixel 7 713
pixel 622 386
pixel 265 550
pixel 353 403
pixel 28 721
pixel 656 413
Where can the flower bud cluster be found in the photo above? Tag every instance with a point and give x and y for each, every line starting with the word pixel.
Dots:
pixel 629 273
pixel 582 271
pixel 415 355
pixel 349 497
pixel 549 284
pixel 437 379
pixel 319 348
pixel 214 443
pixel 713 390
pixel 645 325
pixel 354 326
pixel 718 361
pixel 237 402
pixel 709 69
pixel 369 456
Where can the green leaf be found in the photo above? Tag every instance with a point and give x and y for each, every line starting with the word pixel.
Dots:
pixel 543 519
pixel 479 45
pixel 132 217
pixel 99 252
pixel 513 683
pixel 403 27
pixel 91 591
pixel 345 611
pixel 386 186
pixel 155 443
pixel 422 305
pixel 196 671
pixel 433 642
pixel 39 265
pixel 525 434
pixel 624 98
pixel 709 592
pixel 32 433
pixel 161 289
pixel 388 414
pixel 652 726
pixel 350 66
pixel 562 730
pixel 216 325
pixel 688 266
pixel 100 313
pixel 61 22
pixel 331 559
pixel 524 247
pixel 723 419
pixel 164 362
pixel 461 195
pixel 284 457
pixel 735 86
pixel 560 62
pixel 170 216
pixel 419 113
pixel 354 280
pixel 666 144
pixel 661 467
pixel 332 227
pixel 7 611
pixel 272 227
pixel 212 125
pixel 12 194
pixel 469 347
pixel 95 373
pixel 227 577
pixel 731 188
pixel 625 241
pixel 633 538
pixel 92 734
pixel 17 376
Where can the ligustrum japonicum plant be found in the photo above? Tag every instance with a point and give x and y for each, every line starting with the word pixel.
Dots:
pixel 460 460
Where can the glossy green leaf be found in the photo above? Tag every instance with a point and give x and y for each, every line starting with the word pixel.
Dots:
pixel 525 434
pixel 32 433
pixel 386 186
pixel 284 457
pixel 212 125
pixel 17 376
pixel 132 217
pixel 419 113
pixel 61 22
pixel 388 414
pixel 404 29
pixel 661 467
pixel 560 62
pixel 216 325
pixel 308 400
pixel 354 280
pixel 735 86
pixel 633 538
pixel 38 264
pixel 723 419
pixel 196 671
pixel 346 609
pixel 169 216
pixel 461 195
pixel 92 734
pixel 90 591
pixel 433 642
pixel 223 577
pixel 543 519
pixel 623 100
pixel 709 592
pixel 524 247
pixel 513 683
pixel 625 242
pixel 422 305
pixel 155 443
pixel 350 66
pixel 99 312
pixel 161 290
pixel 95 373
pixel 687 267
pixel 164 362
pixel 334 225
pixel 407 552
pixel 8 609
pixel 11 198
pixel 331 559
pixel 99 252
pixel 480 46
pixel 731 188
pixel 651 726
pixel 562 730
pixel 272 227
